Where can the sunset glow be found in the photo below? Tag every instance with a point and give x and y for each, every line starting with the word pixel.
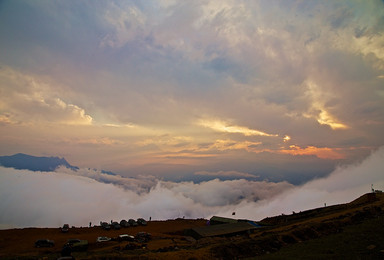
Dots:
pixel 323 152
pixel 283 90
pixel 223 127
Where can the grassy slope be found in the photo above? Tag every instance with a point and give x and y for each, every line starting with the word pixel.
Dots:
pixel 364 240
pixel 349 231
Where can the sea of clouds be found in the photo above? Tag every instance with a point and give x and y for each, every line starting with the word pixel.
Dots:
pixel 49 199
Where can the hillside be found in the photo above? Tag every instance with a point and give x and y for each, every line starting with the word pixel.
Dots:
pixel 22 161
pixel 351 230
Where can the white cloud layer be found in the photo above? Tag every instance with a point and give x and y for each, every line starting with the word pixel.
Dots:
pixel 341 186
pixel 48 199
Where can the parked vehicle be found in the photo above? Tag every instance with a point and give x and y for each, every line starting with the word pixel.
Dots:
pixel 126 237
pixel 143 237
pixel 65 228
pixel 105 225
pixel 77 244
pixel 141 222
pixel 44 243
pixel 115 225
pixel 132 223
pixel 103 239
pixel 124 223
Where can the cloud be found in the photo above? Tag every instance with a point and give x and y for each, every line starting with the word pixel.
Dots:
pixel 27 99
pixel 140 184
pixel 228 144
pixel 127 23
pixel 221 126
pixel 105 141
pixel 95 196
pixel 321 152
pixel 90 198
pixel 227 193
pixel 343 185
pixel 304 69
pixel 233 174
pixel 318 108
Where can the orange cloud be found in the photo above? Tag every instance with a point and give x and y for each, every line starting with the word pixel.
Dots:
pixel 185 155
pixel 5 119
pixel 286 138
pixel 323 152
pixel 95 141
pixel 326 119
pixel 228 144
pixel 225 127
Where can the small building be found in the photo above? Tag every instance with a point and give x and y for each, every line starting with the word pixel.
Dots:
pixel 215 220
pixel 229 229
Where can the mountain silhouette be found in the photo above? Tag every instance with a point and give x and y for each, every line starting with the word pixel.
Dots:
pixel 22 161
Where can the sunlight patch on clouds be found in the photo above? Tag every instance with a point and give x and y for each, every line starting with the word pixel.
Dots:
pixel 322 152
pixel 222 126
pixel 94 141
pixel 286 138
pixel 119 126
pixel 326 119
pixel 5 119
pixel 166 140
pixel 179 147
pixel 228 144
pixel 188 148
pixel 318 110
pixel 74 114
pixel 27 99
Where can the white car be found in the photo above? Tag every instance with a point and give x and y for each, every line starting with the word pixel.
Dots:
pixel 103 239
pixel 126 237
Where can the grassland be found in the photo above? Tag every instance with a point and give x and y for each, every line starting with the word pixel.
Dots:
pixel 353 230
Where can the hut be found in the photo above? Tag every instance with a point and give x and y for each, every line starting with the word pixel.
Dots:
pixel 215 220
pixel 229 229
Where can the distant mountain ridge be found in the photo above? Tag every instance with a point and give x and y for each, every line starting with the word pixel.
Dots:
pixel 22 161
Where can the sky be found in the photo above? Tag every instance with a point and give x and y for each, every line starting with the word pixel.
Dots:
pixel 267 91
